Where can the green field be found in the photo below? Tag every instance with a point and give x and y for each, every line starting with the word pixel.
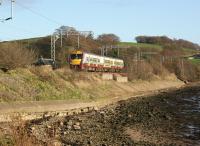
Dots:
pixel 195 61
pixel 189 51
pixel 141 45
pixel 154 47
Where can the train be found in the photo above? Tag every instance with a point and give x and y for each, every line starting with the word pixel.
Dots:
pixel 91 62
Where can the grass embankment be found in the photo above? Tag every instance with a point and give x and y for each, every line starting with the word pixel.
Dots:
pixel 42 83
pixel 39 84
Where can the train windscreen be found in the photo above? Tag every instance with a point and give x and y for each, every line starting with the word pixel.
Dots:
pixel 76 56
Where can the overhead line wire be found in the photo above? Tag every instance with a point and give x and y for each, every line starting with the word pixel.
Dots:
pixel 38 14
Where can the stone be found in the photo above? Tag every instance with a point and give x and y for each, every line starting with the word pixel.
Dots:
pixel 69 127
pixel 121 79
pixel 96 109
pixel 77 123
pixel 77 127
pixel 102 113
pixel 32 128
pixel 70 123
pixel 61 124
pixel 130 116
pixel 107 76
pixel 57 143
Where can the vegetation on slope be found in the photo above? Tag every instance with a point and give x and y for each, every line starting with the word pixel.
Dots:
pixel 153 57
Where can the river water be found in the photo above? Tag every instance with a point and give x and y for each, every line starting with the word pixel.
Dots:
pixel 187 114
pixel 190 110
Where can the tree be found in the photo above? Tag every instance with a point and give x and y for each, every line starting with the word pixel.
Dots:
pixel 108 39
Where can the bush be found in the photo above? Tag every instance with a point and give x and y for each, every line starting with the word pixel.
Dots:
pixel 139 70
pixel 12 55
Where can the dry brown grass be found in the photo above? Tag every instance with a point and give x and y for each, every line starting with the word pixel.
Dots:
pixel 183 69
pixel 139 70
pixel 17 134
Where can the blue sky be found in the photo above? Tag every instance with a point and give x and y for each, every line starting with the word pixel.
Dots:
pixel 126 18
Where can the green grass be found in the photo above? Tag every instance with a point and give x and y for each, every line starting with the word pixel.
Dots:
pixel 195 61
pixel 141 45
pixel 189 51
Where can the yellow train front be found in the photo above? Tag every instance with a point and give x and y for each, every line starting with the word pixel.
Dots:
pixel 91 62
pixel 76 59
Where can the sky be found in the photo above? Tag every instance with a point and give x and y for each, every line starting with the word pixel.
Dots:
pixel 125 18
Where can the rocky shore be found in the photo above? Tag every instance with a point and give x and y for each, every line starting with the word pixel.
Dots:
pixel 169 118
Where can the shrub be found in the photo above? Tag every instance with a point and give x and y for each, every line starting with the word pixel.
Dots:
pixel 139 70
pixel 12 55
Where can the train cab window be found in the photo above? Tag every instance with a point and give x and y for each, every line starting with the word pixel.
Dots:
pixel 76 56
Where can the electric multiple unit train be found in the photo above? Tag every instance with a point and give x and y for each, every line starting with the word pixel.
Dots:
pixel 91 62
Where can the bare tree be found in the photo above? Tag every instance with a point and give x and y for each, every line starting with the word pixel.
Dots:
pixel 108 39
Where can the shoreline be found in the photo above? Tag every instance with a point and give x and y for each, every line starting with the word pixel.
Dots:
pixel 155 119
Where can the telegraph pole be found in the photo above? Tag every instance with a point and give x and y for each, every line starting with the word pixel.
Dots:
pixel 12 7
pixel 11 11
pixel 54 37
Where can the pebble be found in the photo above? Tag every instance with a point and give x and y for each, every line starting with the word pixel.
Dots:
pixel 77 127
pixel 57 143
pixel 96 109
pixel 61 124
pixel 69 127
pixel 130 116
pixel 70 123
pixel 32 128
pixel 77 123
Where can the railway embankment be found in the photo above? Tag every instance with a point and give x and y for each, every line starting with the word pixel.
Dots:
pixel 44 84
pixel 39 92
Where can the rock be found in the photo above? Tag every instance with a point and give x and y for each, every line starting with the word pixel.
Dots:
pixel 46 115
pixel 70 123
pixel 168 117
pixel 32 128
pixel 57 136
pixel 61 124
pixel 65 133
pixel 150 114
pixel 57 143
pixel 102 113
pixel 69 127
pixel 96 109
pixel 89 142
pixel 77 123
pixel 130 116
pixel 77 127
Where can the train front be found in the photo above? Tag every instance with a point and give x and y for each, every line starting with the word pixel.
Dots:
pixel 76 59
